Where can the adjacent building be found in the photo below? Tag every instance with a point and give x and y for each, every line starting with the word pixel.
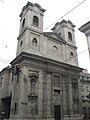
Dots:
pixel 48 85
pixel 86 30
pixel 85 93
pixel 85 76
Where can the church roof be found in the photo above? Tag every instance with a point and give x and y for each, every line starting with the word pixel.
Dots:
pixel 54 36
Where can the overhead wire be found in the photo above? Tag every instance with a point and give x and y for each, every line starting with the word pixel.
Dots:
pixel 65 14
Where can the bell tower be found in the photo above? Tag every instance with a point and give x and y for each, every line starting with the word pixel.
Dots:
pixel 65 29
pixel 31 26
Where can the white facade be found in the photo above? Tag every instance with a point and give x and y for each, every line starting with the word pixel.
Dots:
pixel 58 45
pixel 47 87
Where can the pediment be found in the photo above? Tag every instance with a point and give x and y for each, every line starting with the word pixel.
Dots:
pixel 54 36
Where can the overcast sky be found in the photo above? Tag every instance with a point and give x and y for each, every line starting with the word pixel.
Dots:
pixel 55 9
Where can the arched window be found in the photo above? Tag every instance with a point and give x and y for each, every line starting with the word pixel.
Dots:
pixel 15 109
pixel 33 80
pixel 34 42
pixel 70 36
pixel 10 93
pixel 21 43
pixel 55 47
pixel 35 20
pixel 23 23
pixel 59 33
pixel 71 54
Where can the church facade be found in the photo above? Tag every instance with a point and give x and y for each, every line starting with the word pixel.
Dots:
pixel 47 86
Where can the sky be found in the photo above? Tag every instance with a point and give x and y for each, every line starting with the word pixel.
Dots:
pixel 55 9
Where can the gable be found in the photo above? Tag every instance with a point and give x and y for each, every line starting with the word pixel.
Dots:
pixel 54 36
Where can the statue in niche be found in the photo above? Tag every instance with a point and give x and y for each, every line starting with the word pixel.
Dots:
pixel 75 88
pixel 25 79
pixel 75 106
pixel 33 98
pixel 33 80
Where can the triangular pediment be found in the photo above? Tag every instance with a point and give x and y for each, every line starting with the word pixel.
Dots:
pixel 54 36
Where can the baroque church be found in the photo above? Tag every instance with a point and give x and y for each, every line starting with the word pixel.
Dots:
pixel 47 88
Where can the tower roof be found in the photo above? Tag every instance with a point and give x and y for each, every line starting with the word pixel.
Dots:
pixel 62 22
pixel 32 5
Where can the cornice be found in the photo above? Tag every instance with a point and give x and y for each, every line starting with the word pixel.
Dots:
pixel 28 28
pixel 72 45
pixel 84 28
pixel 43 60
